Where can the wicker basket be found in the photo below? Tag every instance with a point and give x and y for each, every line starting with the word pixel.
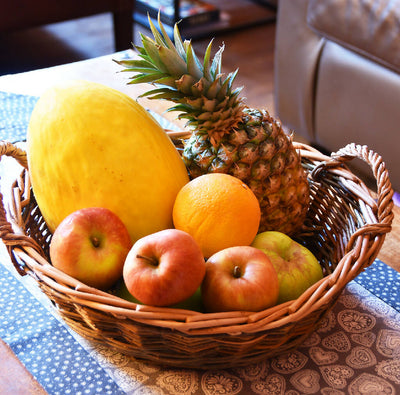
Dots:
pixel 345 228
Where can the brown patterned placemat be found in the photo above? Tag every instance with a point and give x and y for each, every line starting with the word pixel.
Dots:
pixel 356 350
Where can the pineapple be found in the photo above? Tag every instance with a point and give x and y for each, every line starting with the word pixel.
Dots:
pixel 227 136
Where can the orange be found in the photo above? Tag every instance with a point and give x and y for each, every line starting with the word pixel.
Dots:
pixel 218 210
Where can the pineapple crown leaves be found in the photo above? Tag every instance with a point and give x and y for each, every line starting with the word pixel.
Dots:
pixel 179 76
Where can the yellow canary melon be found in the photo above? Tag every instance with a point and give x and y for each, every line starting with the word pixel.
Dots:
pixel 89 145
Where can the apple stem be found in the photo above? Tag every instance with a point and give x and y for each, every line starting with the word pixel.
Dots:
pixel 95 241
pixel 237 272
pixel 152 260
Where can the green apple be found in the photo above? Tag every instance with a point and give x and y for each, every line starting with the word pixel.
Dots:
pixel 193 302
pixel 122 292
pixel 296 266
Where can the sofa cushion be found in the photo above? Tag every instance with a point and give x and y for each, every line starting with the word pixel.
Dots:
pixel 369 27
pixel 356 100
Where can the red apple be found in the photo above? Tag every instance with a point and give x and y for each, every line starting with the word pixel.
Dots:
pixel 164 268
pixel 296 266
pixel 91 245
pixel 239 278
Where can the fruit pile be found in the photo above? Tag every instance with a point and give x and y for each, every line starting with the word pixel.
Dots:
pixel 212 260
pixel 128 212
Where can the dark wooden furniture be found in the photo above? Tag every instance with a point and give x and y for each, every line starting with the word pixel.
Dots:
pixel 233 15
pixel 23 14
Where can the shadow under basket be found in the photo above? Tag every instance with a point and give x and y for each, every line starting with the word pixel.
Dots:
pixel 345 228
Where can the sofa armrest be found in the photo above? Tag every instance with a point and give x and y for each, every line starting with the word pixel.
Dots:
pixel 297 53
pixel 368 27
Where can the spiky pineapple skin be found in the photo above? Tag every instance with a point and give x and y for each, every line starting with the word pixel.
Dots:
pixel 227 136
pixel 259 153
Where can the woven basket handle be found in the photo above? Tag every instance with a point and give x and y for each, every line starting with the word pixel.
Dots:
pixel 7 234
pixel 9 149
pixel 384 187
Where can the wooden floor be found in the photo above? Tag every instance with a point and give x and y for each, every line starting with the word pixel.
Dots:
pixel 251 50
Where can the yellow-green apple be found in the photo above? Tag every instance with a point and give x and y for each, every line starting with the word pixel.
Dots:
pixel 193 302
pixel 164 268
pixel 296 266
pixel 91 245
pixel 239 278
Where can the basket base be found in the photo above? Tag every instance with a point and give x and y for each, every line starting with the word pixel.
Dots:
pixel 169 348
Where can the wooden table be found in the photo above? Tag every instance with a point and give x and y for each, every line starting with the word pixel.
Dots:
pixel 105 71
pixel 102 69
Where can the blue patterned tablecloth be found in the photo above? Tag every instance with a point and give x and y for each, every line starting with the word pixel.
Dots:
pixel 45 346
pixel 15 111
pixel 383 282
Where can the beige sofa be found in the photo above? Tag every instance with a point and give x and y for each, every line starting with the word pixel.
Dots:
pixel 337 74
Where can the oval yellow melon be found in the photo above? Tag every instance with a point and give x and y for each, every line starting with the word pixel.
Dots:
pixel 90 145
